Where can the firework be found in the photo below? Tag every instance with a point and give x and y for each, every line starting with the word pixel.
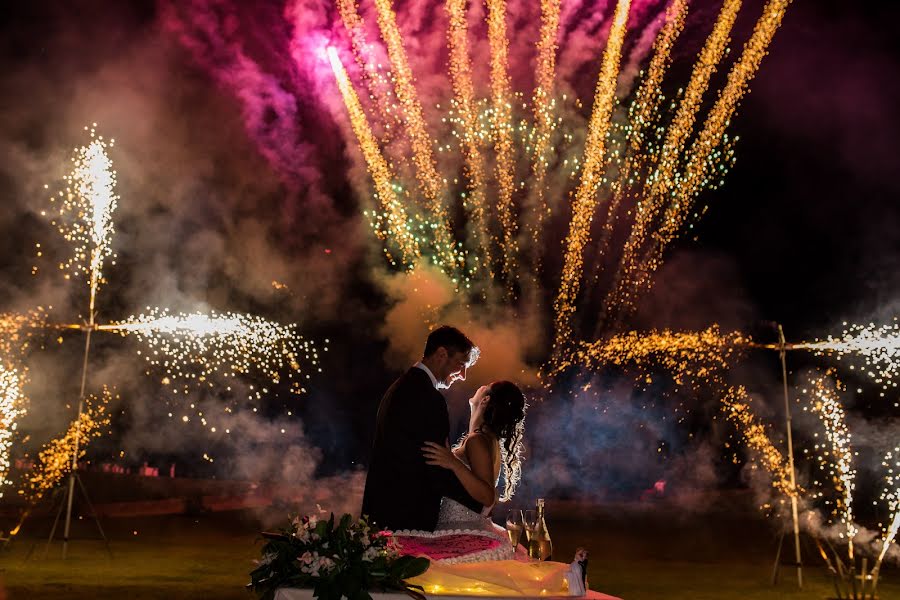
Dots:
pixel 12 407
pixel 891 495
pixel 695 356
pixel 431 183
pixel 643 112
pixel 194 347
pixel 837 459
pixel 85 208
pixel 56 458
pixel 667 161
pixel 591 175
pixel 543 107
pixel 362 51
pixel 501 111
pixel 464 89
pixel 879 346
pixel 637 158
pixel 702 156
pixel 392 223
pixel 735 402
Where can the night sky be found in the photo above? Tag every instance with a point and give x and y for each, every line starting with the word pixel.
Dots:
pixel 220 197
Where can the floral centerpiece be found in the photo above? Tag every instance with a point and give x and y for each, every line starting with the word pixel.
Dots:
pixel 344 559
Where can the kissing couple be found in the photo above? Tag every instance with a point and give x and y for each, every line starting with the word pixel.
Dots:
pixel 416 481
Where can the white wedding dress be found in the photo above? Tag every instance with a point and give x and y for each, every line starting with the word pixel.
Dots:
pixel 454 515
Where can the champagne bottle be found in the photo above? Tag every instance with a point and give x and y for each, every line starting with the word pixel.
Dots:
pixel 539 546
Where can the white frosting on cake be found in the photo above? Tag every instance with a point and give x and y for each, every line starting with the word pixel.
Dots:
pixel 503 551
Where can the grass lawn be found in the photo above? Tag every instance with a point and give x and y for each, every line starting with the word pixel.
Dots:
pixel 648 553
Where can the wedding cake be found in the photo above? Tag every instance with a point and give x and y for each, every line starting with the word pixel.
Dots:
pixel 455 546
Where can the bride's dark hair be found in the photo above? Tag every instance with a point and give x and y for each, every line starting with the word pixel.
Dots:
pixel 505 415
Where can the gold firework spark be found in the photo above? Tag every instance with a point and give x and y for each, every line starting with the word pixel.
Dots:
pixel 376 82
pixel 502 126
pixel 686 355
pixel 392 222
pixel 431 183
pixel 194 347
pixel 585 202
pixel 543 107
pixel 736 404
pixel 642 115
pixel 702 154
pixel 668 160
pixel 464 89
pixel 54 461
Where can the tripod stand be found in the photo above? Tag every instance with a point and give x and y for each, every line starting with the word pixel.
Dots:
pixel 64 502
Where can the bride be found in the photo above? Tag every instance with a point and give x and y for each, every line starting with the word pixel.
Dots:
pixel 492 444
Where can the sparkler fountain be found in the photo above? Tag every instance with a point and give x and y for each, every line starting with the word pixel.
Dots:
pixel 195 346
pixel 91 198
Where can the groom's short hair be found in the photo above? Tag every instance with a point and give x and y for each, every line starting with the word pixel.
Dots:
pixel 450 338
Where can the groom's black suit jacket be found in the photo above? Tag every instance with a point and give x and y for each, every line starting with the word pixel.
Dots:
pixel 402 491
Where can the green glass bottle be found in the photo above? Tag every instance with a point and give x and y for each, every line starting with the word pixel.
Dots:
pixel 539 545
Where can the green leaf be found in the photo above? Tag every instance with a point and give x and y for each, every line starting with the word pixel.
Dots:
pixel 409 566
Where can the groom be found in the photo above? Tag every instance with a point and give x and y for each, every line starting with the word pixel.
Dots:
pixel 402 491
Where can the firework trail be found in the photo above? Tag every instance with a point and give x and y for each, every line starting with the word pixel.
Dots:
pixel 686 355
pixel 643 112
pixel 825 402
pixel 891 495
pixel 12 407
pixel 737 407
pixel 701 157
pixel 84 216
pixel 194 347
pixel 543 106
pixel 501 111
pixel 430 182
pixel 392 222
pixel 586 193
pixel 55 459
pixel 464 89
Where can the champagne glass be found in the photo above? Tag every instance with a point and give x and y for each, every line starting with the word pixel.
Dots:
pixel 530 521
pixel 514 526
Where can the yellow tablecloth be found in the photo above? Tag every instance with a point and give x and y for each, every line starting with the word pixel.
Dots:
pixel 495 578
